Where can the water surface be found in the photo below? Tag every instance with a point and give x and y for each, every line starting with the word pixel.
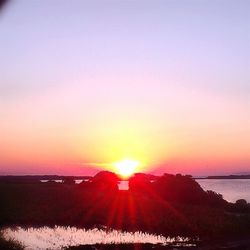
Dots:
pixel 231 190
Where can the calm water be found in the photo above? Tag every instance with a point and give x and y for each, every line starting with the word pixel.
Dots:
pixel 231 190
pixel 58 237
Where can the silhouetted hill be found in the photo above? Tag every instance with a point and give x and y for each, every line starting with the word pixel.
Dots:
pixel 172 205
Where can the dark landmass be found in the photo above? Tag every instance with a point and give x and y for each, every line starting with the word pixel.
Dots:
pixel 171 205
pixel 225 177
pixel 36 178
pixel 120 247
pixel 232 246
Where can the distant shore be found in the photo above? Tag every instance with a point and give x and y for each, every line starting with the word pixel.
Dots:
pixel 224 177
pixel 86 177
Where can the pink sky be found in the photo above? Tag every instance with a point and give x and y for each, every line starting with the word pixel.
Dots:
pixel 89 83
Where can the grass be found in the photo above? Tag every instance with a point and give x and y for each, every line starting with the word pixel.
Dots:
pixel 58 237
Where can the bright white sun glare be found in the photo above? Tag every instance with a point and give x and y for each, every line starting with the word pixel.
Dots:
pixel 126 167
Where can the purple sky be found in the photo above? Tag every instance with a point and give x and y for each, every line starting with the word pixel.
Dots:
pixel 87 83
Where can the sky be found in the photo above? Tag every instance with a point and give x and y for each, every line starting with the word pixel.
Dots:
pixel 84 84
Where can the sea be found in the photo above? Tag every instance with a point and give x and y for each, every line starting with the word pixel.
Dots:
pixel 231 189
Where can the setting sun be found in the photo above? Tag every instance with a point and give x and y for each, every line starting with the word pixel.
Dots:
pixel 127 167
